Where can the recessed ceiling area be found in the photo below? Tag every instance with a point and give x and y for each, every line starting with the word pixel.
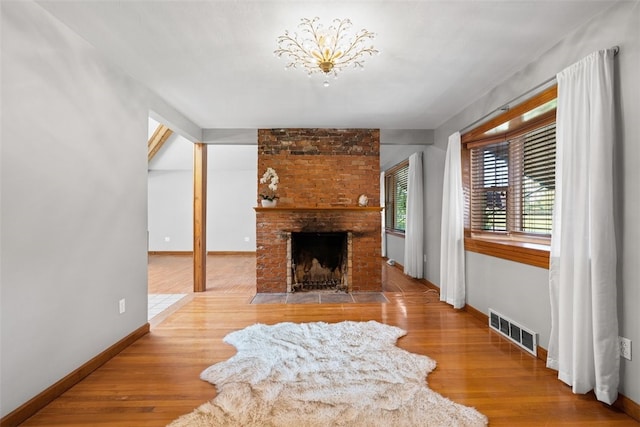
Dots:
pixel 213 60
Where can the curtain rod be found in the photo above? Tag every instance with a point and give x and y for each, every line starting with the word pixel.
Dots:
pixel 506 106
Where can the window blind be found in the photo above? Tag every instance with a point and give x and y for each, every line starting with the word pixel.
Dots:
pixel 536 166
pixel 490 187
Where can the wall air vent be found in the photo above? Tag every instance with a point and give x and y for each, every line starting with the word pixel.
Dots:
pixel 525 338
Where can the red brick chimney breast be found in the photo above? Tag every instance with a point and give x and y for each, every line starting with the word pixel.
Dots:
pixel 322 172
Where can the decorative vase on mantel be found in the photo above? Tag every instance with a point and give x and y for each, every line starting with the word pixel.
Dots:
pixel 266 203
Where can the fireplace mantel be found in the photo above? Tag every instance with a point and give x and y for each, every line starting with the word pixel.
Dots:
pixel 280 209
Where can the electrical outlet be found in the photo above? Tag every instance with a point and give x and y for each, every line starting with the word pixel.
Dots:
pixel 122 306
pixel 625 347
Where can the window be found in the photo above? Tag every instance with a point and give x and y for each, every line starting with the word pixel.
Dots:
pixel 513 183
pixel 395 185
pixel 509 180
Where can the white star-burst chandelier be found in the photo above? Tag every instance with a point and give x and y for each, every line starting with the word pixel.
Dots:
pixel 327 51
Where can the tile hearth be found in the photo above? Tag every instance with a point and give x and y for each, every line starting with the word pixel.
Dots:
pixel 319 298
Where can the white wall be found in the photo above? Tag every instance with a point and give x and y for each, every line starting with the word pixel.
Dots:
pixel 395 248
pixel 434 163
pixel 73 215
pixel 170 196
pixel 521 292
pixel 513 289
pixel 232 188
pixel 170 210
pixel 231 197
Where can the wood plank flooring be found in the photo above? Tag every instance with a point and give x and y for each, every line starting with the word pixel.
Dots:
pixel 156 379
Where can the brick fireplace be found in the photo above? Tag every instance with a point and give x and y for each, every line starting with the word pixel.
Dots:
pixel 322 172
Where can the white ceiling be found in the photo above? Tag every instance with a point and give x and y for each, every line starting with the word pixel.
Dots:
pixel 214 62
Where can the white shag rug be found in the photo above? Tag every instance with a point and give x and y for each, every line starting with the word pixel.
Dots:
pixel 321 374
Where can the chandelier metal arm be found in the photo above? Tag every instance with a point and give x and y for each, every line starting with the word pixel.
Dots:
pixel 294 52
pixel 313 31
pixel 340 35
pixel 360 38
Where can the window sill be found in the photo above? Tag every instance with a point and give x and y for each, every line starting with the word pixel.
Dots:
pixel 535 254
pixel 394 232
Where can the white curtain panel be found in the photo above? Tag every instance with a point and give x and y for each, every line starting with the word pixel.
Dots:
pixel 413 234
pixel 452 276
pixel 583 347
pixel 382 203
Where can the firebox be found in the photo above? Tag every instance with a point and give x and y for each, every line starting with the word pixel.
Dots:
pixel 318 261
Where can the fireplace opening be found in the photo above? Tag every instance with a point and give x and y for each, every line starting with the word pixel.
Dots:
pixel 319 261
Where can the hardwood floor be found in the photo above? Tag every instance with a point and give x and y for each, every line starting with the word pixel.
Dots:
pixel 227 273
pixel 156 379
